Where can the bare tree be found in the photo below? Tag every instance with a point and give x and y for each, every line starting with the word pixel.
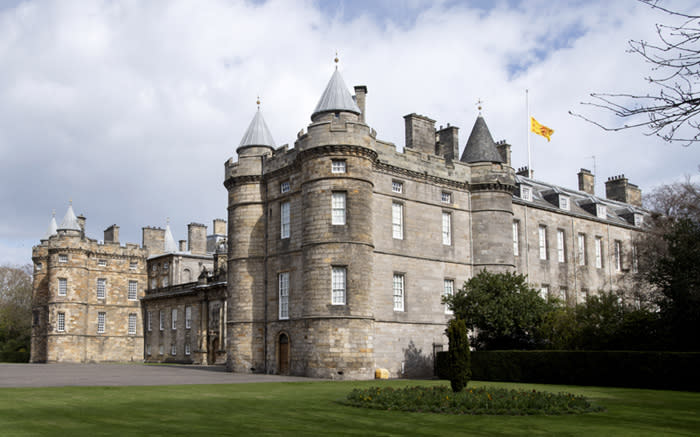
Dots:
pixel 671 110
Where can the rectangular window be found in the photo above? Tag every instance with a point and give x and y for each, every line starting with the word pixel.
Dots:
pixel 338 208
pixel 161 349
pixel 101 285
pixel 62 258
pixel 101 322
pixel 582 296
pixel 397 221
pixel 338 285
pixel 62 286
pixel 132 324
pixel 173 320
pixel 187 348
pixel 446 197
pixel 61 322
pixel 133 265
pixel 38 266
pixel 338 166
pixel 188 317
pixel 581 249
pixel 398 292
pixel 448 290
pixel 149 320
pixel 516 237
pixel 544 292
pixel 165 281
pixel 561 252
pixel 162 320
pixel 283 281
pixel 618 255
pixel 564 203
pixel 638 220
pixel 148 349
pixel 173 349
pixel 102 263
pixel 166 266
pixel 133 290
pixel 284 187
pixel 635 260
pixel 153 283
pixel 397 187
pixel 543 241
pixel 446 228
pixel 601 211
pixel 284 220
pixel 598 252
pixel 526 193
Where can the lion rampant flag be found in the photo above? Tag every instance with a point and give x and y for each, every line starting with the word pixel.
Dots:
pixel 540 129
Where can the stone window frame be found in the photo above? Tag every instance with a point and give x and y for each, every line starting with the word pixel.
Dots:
pixel 526 193
pixel 161 349
pixel 617 253
pixel 448 291
pixel 101 322
pixel 398 287
pixel 187 349
pixel 582 295
pixel 599 252
pixel 285 219
pixel 149 320
pixel 544 291
pixel 285 187
pixel 148 349
pixel 133 265
pixel 173 349
pixel 638 220
pixel 446 197
pixel 101 288
pixel 38 266
pixel 635 259
pixel 338 211
pixel 188 317
pixel 516 237
pixel 166 266
pixel 62 258
pixel 447 228
pixel 561 245
pixel 62 286
pixel 161 320
pixel 397 220
pixel 61 322
pixel 339 282
pixel 397 186
pixel 133 290
pixel 102 262
pixel 542 240
pixel 601 211
pixel 173 319
pixel 564 202
pixel 283 295
pixel 582 258
pixel 339 166
pixel 132 324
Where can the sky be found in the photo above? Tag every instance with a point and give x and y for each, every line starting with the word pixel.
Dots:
pixel 131 108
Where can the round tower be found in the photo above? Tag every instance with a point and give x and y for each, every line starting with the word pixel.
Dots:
pixel 491 186
pixel 246 253
pixel 336 157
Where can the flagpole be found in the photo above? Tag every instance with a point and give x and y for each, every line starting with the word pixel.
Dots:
pixel 529 156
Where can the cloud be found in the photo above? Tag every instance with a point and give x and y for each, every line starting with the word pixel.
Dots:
pixel 131 108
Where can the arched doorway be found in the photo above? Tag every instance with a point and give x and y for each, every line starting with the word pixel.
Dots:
pixel 283 354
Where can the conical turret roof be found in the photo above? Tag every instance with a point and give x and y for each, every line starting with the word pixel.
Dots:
pixel 480 145
pixel 52 227
pixel 336 97
pixel 257 134
pixel 170 245
pixel 70 221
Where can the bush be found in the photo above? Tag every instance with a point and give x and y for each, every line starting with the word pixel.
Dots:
pixel 458 355
pixel 485 400
pixel 659 370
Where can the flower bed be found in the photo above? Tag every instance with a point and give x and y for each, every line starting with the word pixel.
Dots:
pixel 483 400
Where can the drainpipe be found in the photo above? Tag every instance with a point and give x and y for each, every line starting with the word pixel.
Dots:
pixel 265 254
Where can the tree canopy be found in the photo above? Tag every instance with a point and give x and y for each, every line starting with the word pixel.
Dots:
pixel 15 310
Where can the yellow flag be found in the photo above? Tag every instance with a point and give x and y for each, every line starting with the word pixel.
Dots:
pixel 540 129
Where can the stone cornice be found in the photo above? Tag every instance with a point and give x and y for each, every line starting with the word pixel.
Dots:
pixel 389 169
pixel 337 150
pixel 493 186
pixel 246 179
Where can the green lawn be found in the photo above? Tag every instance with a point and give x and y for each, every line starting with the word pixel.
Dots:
pixel 312 409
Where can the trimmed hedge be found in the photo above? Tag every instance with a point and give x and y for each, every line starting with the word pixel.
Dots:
pixel 14 357
pixel 658 370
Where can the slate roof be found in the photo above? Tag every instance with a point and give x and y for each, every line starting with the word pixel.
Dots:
pixel 257 133
pixel 52 227
pixel 480 145
pixel 336 97
pixel 70 221
pixel 170 244
pixel 616 212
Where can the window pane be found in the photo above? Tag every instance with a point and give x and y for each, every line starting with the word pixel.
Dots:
pixel 446 228
pixel 397 187
pixel 284 295
pixel 338 285
pixel 61 325
pixel 543 242
pixel 284 220
pixel 132 324
pixel 561 254
pixel 397 220
pixel 338 166
pixel 132 290
pixel 338 209
pixel 448 290
pixel 398 293
pixel 100 323
pixel 62 286
pixel 581 249
pixel 516 237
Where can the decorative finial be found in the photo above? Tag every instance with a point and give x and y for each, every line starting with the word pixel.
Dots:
pixel 336 59
pixel 478 105
pixel 53 213
pixel 70 202
pixel 167 221
pixel 258 102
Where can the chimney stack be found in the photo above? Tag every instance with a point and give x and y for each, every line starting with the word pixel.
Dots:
pixel 153 240
pixel 448 142
pixel 420 133
pixel 197 238
pixel 112 234
pixel 182 244
pixel 525 172
pixel 618 188
pixel 504 150
pixel 586 181
pixel 360 99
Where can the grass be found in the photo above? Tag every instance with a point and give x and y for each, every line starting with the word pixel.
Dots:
pixel 315 408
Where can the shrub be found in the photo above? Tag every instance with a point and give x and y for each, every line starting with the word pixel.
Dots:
pixel 458 353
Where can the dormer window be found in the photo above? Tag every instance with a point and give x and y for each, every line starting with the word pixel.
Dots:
pixel 338 166
pixel 638 220
pixel 526 193
pixel 601 211
pixel 564 203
